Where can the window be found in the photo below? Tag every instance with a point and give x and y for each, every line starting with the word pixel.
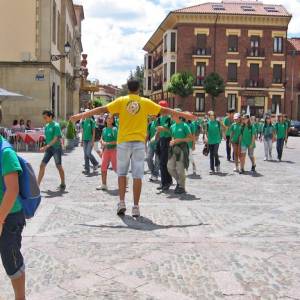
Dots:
pixel 149 83
pixel 247 8
pixel 166 43
pixel 172 69
pixel 254 71
pixel 278 45
pixel 232 101
pixel 276 102
pixel 200 102
pixel 233 43
pixel 165 72
pixel 54 23
pixel 277 74
pixel 218 7
pixel 232 72
pixel 201 68
pixel 201 44
pixel 270 9
pixel 149 62
pixel 255 41
pixel 173 42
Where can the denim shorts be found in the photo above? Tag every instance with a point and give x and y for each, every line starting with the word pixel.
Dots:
pixel 250 150
pixel 134 153
pixel 53 152
pixel 10 245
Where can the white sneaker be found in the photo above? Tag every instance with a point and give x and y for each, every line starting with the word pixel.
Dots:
pixel 153 178
pixel 135 211
pixel 103 187
pixel 265 159
pixel 236 170
pixel 121 208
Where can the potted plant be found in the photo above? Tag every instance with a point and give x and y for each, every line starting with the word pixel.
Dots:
pixel 70 136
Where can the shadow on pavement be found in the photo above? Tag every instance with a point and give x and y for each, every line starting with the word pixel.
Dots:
pixel 183 197
pixel 143 224
pixel 192 176
pixel 113 192
pixel 54 194
pixel 220 174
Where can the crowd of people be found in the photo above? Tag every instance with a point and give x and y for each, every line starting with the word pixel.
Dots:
pixel 134 128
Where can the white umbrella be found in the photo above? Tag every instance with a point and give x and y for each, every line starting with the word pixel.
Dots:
pixel 248 110
pixel 5 94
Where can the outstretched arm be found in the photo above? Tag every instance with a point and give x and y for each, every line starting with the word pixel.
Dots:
pixel 96 111
pixel 172 112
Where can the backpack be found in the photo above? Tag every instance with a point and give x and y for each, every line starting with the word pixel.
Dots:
pixel 98 132
pixel 29 191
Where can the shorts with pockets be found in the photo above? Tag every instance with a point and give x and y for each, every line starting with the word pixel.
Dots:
pixel 134 153
pixel 56 153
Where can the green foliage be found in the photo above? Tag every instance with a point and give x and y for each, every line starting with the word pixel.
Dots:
pixel 97 103
pixel 71 131
pixel 63 124
pixel 182 84
pixel 214 85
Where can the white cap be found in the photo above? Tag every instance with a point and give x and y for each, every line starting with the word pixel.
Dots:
pixel 236 116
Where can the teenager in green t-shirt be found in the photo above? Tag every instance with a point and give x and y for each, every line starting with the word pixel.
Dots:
pixel 235 132
pixel 179 158
pixel 268 136
pixel 227 122
pixel 12 221
pixel 88 141
pixel 152 153
pixel 281 132
pixel 53 148
pixel 109 145
pixel 247 143
pixel 213 135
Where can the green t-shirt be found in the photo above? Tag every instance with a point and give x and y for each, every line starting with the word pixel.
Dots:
pixel 165 121
pixel 267 131
pixel 281 130
pixel 88 126
pixel 214 132
pixel 53 130
pixel 287 123
pixel 193 128
pixel 152 128
pixel 227 122
pixel 235 132
pixel 110 135
pixel 10 164
pixel 247 133
pixel 180 130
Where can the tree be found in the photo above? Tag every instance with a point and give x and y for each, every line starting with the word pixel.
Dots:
pixel 214 86
pixel 97 103
pixel 182 84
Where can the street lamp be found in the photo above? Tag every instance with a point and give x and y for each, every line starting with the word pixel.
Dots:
pixel 67 49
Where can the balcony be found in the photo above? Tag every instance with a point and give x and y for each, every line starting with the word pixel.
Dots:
pixel 157 62
pixel 202 52
pixel 157 86
pixel 255 53
pixel 255 83
pixel 277 81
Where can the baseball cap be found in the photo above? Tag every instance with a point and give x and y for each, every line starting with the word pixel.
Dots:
pixel 236 116
pixel 164 103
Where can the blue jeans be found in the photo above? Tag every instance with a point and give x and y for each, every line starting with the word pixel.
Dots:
pixel 280 144
pixel 88 156
pixel 153 161
pixel 56 153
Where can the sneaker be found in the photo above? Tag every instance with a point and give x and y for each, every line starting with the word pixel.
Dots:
pixel 153 178
pixel 85 172
pixel 211 172
pixel 265 159
pixel 166 188
pixel 253 169
pixel 180 191
pixel 237 170
pixel 121 208
pixel 242 171
pixel 135 211
pixel 218 168
pixel 103 187
pixel 62 187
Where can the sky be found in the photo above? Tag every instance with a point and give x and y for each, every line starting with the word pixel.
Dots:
pixel 115 31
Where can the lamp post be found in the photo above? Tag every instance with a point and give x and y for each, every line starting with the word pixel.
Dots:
pixel 67 49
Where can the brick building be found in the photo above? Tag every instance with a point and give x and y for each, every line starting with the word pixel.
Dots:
pixel 244 41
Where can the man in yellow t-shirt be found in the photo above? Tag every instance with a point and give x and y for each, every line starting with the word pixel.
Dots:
pixel 133 112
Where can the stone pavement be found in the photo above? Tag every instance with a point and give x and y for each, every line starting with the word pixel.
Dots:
pixel 232 237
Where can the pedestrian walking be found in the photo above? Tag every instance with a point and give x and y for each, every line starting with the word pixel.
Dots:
pixel 88 140
pixel 179 152
pixel 192 145
pixel 12 221
pixel 213 138
pixel 235 132
pixel 227 122
pixel 109 145
pixel 247 143
pixel 287 122
pixel 267 135
pixel 98 134
pixel 133 112
pixel 164 132
pixel 53 148
pixel 152 153
pixel 281 135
